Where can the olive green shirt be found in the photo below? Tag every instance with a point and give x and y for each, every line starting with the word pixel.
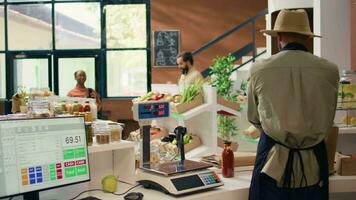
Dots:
pixel 292 98
pixel 192 77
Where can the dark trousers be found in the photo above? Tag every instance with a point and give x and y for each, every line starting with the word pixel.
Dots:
pixel 270 191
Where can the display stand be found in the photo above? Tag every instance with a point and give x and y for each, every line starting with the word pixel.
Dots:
pixel 201 121
pixel 115 158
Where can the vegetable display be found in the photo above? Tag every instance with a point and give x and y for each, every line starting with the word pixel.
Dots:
pixel 191 92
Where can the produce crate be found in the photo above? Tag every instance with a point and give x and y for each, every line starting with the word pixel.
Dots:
pixel 233 105
pixel 184 107
pixel 346 165
pixel 194 143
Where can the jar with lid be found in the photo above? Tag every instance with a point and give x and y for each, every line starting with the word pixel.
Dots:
pixel 347 90
pixel 89 133
pixel 93 109
pixel 86 106
pixel 227 160
pixel 116 131
pixel 75 107
pixel 102 135
pixel 347 97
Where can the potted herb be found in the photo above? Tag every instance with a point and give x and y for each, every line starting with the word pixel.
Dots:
pixel 221 71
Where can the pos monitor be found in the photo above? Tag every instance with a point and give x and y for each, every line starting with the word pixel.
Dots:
pixel 39 154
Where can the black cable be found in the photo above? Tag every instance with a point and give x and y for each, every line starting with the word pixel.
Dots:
pixel 85 192
pixel 117 194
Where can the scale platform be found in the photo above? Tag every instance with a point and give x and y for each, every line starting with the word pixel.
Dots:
pixel 176 167
pixel 179 178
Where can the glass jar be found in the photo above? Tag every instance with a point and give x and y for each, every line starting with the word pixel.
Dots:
pixel 102 135
pixel 116 131
pixel 93 109
pixel 89 133
pixel 86 106
pixel 347 90
pixel 75 107
pixel 227 160
pixel 88 117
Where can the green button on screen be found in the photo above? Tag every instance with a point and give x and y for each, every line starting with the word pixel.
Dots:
pixel 69 172
pixel 68 154
pixel 82 170
pixel 79 153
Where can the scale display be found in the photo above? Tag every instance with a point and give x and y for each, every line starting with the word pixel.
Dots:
pixel 153 110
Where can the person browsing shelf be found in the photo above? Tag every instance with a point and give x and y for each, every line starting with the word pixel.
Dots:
pixel 81 91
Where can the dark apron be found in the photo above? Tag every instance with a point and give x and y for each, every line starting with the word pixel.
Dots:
pixel 264 187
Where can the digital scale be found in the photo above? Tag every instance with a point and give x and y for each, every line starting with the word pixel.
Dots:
pixel 175 177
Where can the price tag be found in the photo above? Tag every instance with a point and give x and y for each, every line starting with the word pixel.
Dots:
pixel 72 140
pixel 39 105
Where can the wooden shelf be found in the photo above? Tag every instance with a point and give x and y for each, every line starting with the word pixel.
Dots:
pixel 347 130
pixel 342 183
pixel 228 110
pixel 123 144
pixel 191 113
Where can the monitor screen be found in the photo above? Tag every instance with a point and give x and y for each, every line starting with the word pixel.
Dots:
pixel 37 154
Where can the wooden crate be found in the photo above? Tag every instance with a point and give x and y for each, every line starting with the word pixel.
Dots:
pixel 184 107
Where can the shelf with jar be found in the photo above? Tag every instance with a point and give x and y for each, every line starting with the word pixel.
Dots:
pixel 346 103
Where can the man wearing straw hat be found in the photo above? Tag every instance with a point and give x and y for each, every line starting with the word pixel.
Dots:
pixel 292 100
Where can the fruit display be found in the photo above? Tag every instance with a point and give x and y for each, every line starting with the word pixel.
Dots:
pixel 157 96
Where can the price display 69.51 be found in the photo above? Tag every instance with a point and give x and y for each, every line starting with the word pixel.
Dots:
pixel 72 140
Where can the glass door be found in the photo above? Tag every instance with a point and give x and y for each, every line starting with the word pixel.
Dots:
pixel 66 65
pixel 29 71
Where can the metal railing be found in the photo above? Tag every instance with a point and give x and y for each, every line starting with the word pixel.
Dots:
pixel 250 47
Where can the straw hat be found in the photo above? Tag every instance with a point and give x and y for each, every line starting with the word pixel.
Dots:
pixel 293 21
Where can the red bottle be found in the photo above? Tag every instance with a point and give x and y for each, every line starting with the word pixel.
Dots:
pixel 227 160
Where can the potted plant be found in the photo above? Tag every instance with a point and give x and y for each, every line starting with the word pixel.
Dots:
pixel 221 71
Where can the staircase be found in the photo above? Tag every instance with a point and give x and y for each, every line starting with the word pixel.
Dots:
pixel 240 72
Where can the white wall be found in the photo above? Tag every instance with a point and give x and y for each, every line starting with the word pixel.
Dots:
pixel 275 5
pixel 332 20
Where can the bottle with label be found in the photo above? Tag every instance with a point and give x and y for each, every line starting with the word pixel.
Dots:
pixel 93 109
pixel 86 106
pixel 227 160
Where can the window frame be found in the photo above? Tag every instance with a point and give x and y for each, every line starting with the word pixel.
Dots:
pixel 101 67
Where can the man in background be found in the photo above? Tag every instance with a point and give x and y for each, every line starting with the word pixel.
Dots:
pixel 292 101
pixel 189 74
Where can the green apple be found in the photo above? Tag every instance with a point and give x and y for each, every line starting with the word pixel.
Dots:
pixel 109 183
pixel 187 139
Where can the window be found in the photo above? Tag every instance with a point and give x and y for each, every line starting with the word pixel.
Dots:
pixel 66 69
pixel 77 30
pixel 29 26
pixel 2 76
pixel 50 39
pixel 31 73
pixel 126 73
pixel 2 29
pixel 126 67
pixel 126 26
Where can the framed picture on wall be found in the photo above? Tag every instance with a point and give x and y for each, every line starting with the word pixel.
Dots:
pixel 166 47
